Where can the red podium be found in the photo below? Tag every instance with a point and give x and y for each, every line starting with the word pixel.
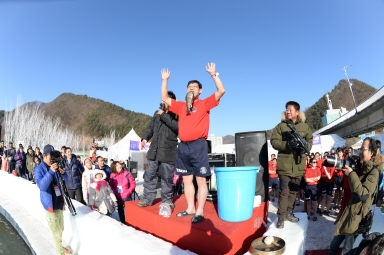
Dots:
pixel 212 236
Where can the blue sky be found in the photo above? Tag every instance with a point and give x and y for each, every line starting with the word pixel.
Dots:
pixel 266 51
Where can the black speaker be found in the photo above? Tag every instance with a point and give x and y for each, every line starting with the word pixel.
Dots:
pixel 252 150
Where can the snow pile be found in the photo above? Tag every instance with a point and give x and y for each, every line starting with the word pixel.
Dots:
pixel 86 233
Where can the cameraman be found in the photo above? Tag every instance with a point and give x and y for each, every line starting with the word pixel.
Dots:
pixel 51 197
pixel 291 161
pixel 363 185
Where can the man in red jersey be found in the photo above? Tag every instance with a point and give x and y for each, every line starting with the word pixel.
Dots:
pixel 326 188
pixel 192 152
pixel 273 179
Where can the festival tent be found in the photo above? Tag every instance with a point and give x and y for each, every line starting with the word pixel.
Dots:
pixel 123 149
pixel 323 143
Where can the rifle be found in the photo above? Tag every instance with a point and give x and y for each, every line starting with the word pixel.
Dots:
pixel 295 138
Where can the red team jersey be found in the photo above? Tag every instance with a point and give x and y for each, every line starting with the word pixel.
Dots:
pixel 271 167
pixel 310 173
pixel 331 171
pixel 196 124
pixel 320 163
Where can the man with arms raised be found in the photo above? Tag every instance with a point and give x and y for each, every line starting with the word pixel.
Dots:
pixel 192 153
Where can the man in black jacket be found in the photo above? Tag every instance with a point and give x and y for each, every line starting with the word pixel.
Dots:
pixel 73 175
pixel 163 130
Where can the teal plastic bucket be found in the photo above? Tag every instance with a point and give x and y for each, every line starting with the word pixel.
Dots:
pixel 236 192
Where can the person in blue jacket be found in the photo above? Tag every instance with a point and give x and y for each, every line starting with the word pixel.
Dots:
pixel 51 197
pixel 73 173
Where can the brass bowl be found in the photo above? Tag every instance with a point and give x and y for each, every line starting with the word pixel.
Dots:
pixel 258 247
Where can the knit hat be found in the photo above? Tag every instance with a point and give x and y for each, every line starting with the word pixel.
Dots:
pixel 96 172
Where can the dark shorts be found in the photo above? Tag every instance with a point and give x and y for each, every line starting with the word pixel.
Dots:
pixel 192 158
pixel 326 188
pixel 274 183
pixel 339 182
pixel 311 192
pixel 303 184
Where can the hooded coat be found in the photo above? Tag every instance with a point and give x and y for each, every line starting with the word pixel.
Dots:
pixel 363 185
pixel 288 162
pixel 101 195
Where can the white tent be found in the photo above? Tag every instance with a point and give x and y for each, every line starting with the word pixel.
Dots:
pixel 123 149
pixel 323 143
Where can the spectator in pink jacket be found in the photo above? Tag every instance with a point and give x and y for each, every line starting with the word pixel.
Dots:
pixel 87 178
pixel 4 163
pixel 123 185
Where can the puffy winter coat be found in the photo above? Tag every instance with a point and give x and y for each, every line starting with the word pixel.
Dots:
pixel 122 184
pixel 74 171
pixel 363 185
pixel 87 179
pixel 288 162
pixel 163 130
pixel 44 177
pixel 101 195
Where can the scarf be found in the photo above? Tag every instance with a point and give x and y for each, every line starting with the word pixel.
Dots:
pixel 102 183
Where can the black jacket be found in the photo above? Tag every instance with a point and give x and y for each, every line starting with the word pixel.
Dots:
pixel 163 129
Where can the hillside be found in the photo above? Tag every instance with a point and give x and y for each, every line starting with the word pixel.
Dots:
pixel 340 97
pixel 94 117
pixel 91 117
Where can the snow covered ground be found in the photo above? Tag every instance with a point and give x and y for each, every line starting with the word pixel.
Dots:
pixel 89 232
pixel 319 233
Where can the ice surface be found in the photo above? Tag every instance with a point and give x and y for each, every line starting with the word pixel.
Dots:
pixel 88 232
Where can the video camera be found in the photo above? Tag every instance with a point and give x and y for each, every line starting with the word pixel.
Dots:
pixel 57 158
pixel 353 162
pixel 295 142
pixel 162 106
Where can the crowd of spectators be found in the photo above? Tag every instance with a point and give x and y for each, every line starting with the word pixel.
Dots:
pixel 86 180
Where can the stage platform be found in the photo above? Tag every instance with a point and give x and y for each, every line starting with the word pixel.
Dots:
pixel 212 236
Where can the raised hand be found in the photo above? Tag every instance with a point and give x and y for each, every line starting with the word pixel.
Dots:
pixel 165 74
pixel 211 68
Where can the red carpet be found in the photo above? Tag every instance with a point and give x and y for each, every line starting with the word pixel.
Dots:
pixel 212 236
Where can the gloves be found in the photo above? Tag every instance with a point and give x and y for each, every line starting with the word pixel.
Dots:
pixel 292 145
pixel 142 144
